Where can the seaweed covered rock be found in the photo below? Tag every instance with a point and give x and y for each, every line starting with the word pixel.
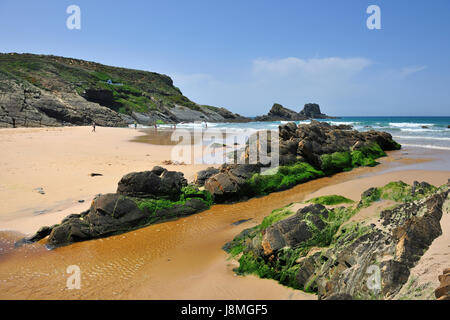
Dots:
pixel 155 183
pixel 293 230
pixel 109 214
pixel 143 198
pixel 311 141
pixel 229 184
pixel 323 252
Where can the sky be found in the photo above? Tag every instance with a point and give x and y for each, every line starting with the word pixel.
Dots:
pixel 247 55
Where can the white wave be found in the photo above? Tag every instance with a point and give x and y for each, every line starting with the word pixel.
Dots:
pixel 409 125
pixel 423 138
pixel 426 146
pixel 343 122
pixel 416 130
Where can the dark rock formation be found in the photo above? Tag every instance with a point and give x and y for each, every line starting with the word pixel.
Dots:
pixel 395 248
pixel 443 291
pixel 228 184
pixel 109 214
pixel 293 230
pixel 203 175
pixel 158 183
pixel 280 113
pixel 312 110
pixel 343 268
pixel 119 212
pixel 309 141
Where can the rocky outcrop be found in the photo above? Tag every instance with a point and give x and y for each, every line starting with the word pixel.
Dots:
pixel 39 90
pixel 280 113
pixel 294 230
pixel 443 291
pixel 310 141
pixel 142 198
pixel 22 105
pixel 203 175
pixel 316 250
pixel 312 110
pixel 229 184
pixel 157 183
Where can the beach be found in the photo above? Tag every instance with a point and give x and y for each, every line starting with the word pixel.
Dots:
pixel 47 171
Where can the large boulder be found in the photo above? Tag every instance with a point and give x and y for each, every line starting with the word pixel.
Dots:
pixel 310 141
pixel 292 231
pixel 229 184
pixel 203 175
pixel 157 183
pixel 312 110
pixel 109 214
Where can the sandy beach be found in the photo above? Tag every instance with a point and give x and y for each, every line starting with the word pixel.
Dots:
pixel 180 259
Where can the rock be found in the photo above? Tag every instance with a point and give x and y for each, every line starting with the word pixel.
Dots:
pixel 340 296
pixel 39 235
pixel 203 175
pixel 312 111
pixel 343 268
pixel 293 230
pixel 228 185
pixel 310 141
pixel 278 112
pixel 158 183
pixel 443 291
pixel 96 175
pixel 109 214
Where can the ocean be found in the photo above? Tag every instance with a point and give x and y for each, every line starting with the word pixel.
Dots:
pixel 421 132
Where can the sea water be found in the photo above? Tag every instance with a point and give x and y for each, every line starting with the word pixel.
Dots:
pixel 422 132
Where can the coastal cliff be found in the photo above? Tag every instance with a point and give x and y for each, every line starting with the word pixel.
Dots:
pixel 40 90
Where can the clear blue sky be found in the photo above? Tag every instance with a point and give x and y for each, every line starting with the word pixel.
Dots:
pixel 246 55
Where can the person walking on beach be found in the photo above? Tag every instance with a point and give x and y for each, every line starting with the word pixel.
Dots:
pixel 93 126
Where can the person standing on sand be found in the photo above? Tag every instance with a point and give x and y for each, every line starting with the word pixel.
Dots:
pixel 93 126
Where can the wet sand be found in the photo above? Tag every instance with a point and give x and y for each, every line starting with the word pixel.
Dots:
pixel 180 259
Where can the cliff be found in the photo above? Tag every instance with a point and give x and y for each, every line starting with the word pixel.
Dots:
pixel 40 90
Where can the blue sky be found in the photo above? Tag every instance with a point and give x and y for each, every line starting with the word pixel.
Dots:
pixel 246 55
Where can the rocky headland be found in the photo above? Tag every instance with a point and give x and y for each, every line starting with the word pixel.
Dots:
pixel 40 90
